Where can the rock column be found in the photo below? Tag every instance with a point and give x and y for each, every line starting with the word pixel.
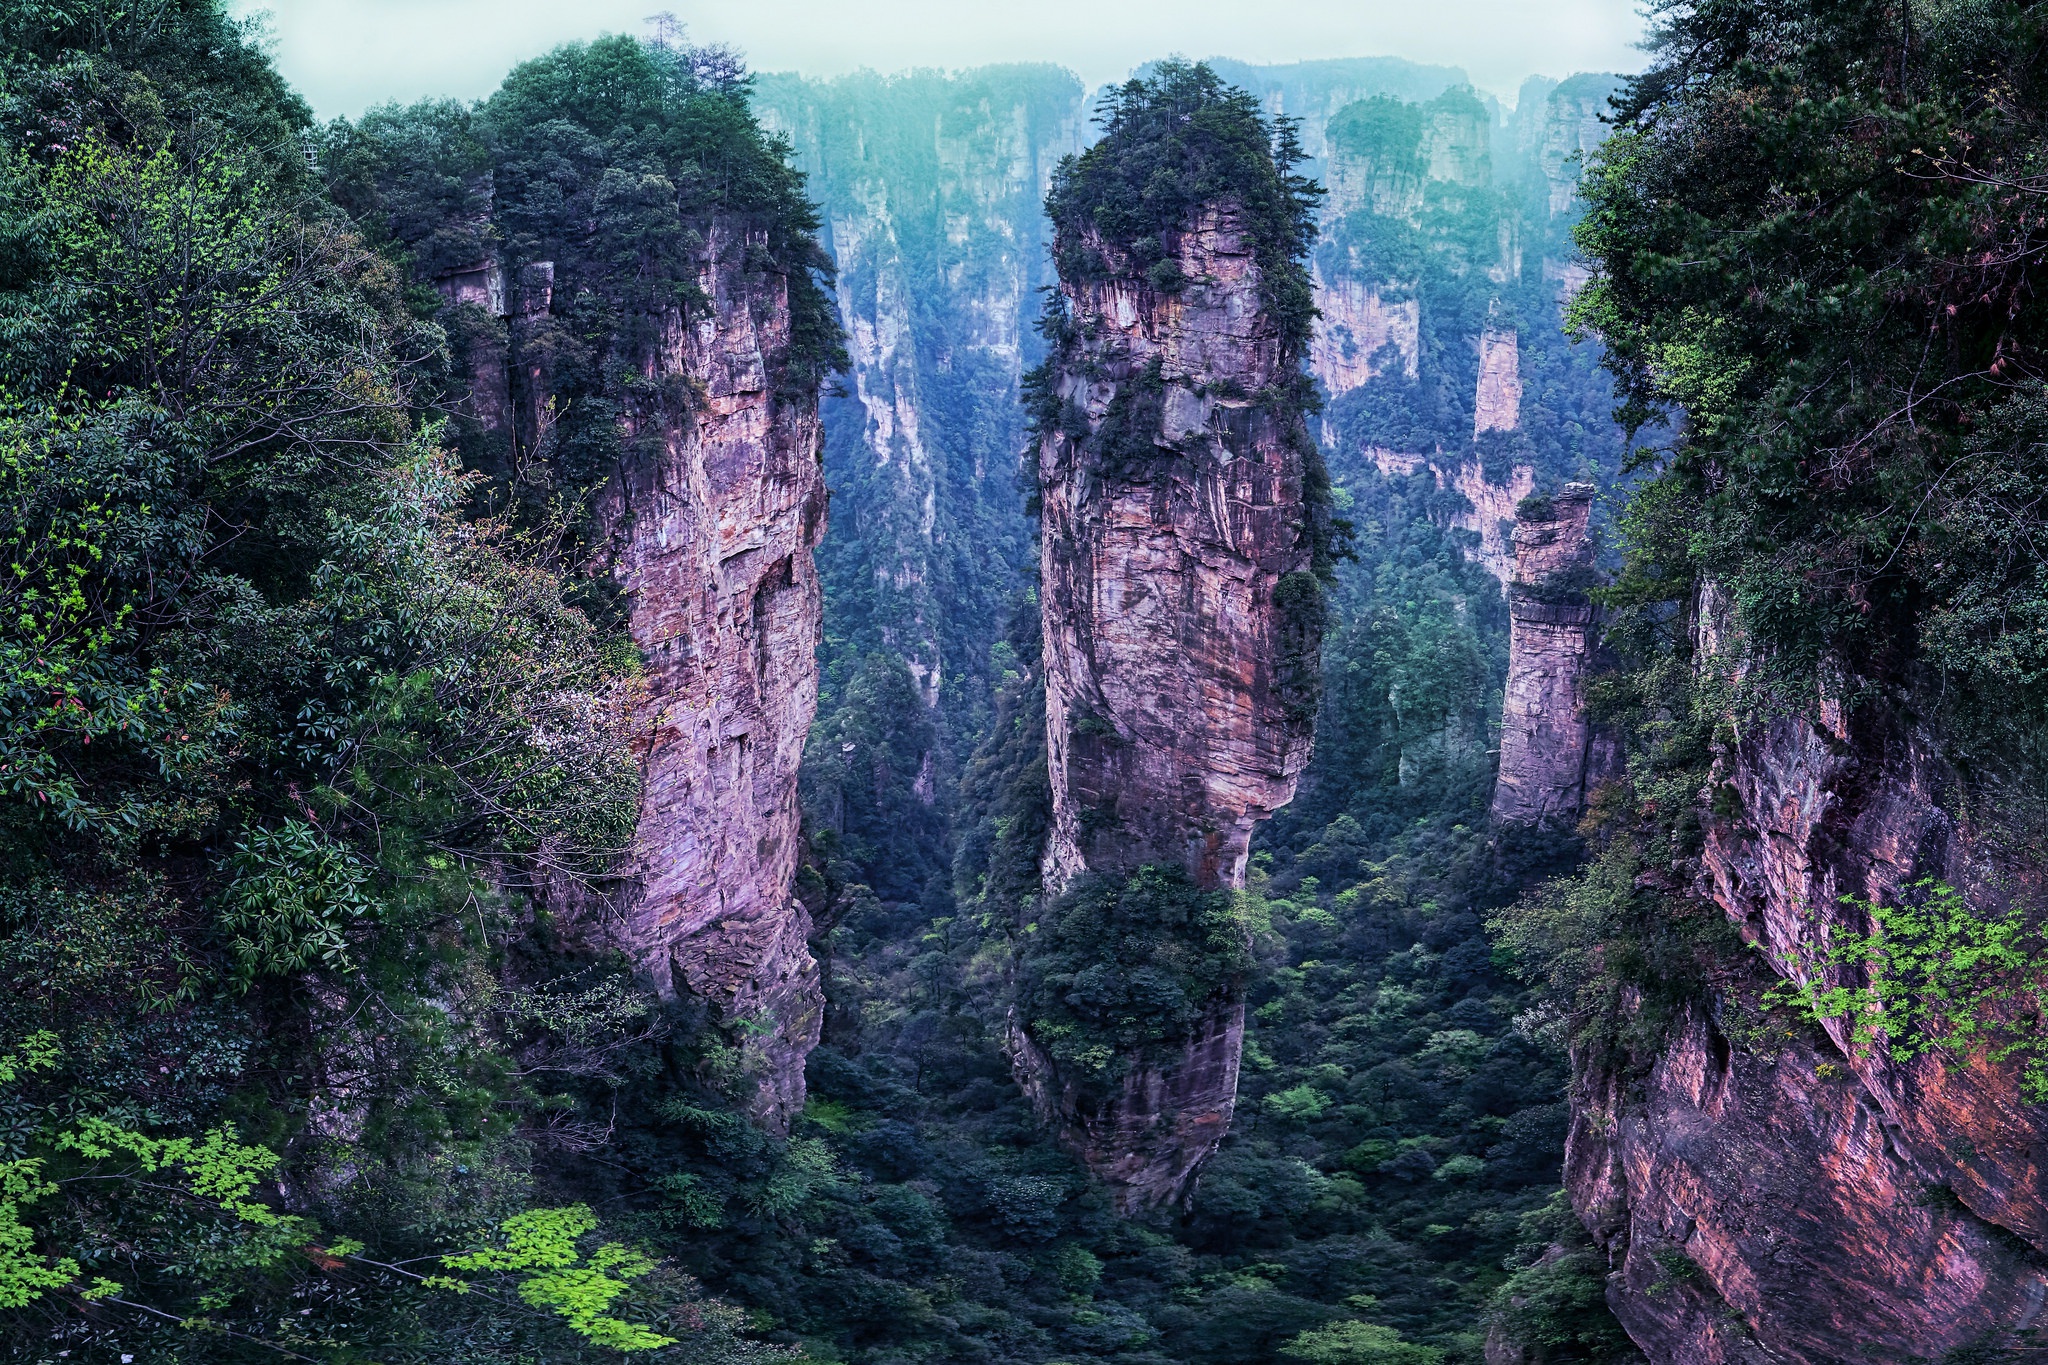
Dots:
pixel 1179 680
pixel 1550 753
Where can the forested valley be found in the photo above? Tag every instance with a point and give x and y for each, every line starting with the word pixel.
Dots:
pixel 1270 714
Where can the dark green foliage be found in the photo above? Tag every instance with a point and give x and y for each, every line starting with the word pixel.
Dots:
pixel 285 736
pixel 624 168
pixel 1120 966
pixel 1816 233
pixel 1172 144
pixel 1555 1302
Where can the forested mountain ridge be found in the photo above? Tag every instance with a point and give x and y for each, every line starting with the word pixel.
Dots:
pixel 596 273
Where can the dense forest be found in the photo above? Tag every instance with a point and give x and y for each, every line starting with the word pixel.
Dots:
pixel 325 739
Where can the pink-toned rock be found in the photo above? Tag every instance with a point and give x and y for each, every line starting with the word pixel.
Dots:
pixel 1833 1204
pixel 1171 730
pixel 1361 334
pixel 1763 1207
pixel 1550 753
pixel 712 541
pixel 708 526
pixel 1497 406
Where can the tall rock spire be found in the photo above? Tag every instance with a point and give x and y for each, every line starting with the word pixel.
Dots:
pixel 1550 751
pixel 1182 622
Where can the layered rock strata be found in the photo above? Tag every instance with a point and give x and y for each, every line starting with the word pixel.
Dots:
pixel 1551 754
pixel 1173 511
pixel 1793 1193
pixel 708 526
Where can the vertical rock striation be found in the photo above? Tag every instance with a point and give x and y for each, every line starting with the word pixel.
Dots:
pixel 1180 610
pixel 1784 1193
pixel 1549 752
pixel 1171 729
pixel 707 524
pixel 711 531
pixel 933 189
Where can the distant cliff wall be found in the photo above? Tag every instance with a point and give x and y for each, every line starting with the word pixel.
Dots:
pixel 1551 753
pixel 932 188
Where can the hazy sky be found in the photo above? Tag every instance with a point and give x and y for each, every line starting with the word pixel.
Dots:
pixel 348 54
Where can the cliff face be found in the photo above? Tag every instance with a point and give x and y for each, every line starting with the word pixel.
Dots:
pixel 1833 1203
pixel 1550 753
pixel 932 189
pixel 1169 728
pixel 1168 733
pixel 713 537
pixel 708 526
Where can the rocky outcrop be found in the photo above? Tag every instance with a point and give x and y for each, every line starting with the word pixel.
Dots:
pixel 708 526
pixel 712 538
pixel 1497 404
pixel 1173 543
pixel 1490 507
pixel 1764 1207
pixel 1571 129
pixel 1168 726
pixel 1822 1200
pixel 1550 752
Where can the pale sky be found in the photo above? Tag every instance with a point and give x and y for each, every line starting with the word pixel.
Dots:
pixel 346 55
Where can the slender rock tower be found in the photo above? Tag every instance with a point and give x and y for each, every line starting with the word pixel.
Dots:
pixel 1550 751
pixel 1182 624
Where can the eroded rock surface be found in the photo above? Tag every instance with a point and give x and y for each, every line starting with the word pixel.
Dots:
pixel 1765 1208
pixel 708 526
pixel 1550 753
pixel 1174 723
pixel 1832 1203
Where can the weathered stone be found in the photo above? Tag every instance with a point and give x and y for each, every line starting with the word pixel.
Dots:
pixel 1497 404
pixel 1837 1204
pixel 1550 753
pixel 708 526
pixel 1766 1208
pixel 1361 334
pixel 1170 733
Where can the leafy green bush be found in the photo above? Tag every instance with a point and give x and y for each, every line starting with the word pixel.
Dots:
pixel 1121 966
pixel 1172 144
pixel 1854 435
pixel 1358 1343
pixel 1936 977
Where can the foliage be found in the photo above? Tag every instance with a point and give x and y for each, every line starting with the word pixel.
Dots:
pixel 1815 229
pixel 541 1245
pixel 1172 144
pixel 1358 1343
pixel 1936 977
pixel 1555 1302
pixel 624 168
pixel 1119 966
pixel 291 901
pixel 286 734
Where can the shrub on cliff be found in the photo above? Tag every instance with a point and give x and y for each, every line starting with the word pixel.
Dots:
pixel 1818 241
pixel 1171 144
pixel 1119 966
